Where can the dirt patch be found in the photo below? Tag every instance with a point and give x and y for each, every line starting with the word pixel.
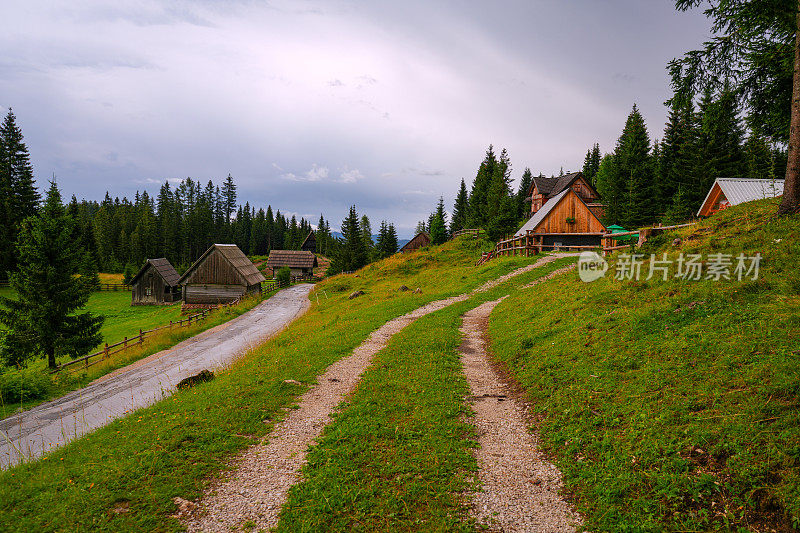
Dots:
pixel 521 488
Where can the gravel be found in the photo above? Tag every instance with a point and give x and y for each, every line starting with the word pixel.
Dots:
pixel 520 486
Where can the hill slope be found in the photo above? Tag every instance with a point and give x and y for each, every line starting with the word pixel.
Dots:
pixel 672 404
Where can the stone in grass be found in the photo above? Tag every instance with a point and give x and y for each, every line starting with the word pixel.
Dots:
pixel 403 288
pixel 355 295
pixel 676 243
pixel 417 291
pixel 185 507
pixel 292 382
pixel 191 381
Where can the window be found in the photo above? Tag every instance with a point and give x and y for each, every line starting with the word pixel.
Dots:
pixel 148 291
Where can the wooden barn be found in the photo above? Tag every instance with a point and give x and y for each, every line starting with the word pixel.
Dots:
pixel 156 283
pixel 310 244
pixel 420 240
pixel 221 275
pixel 543 190
pixel 301 262
pixel 730 191
pixel 565 220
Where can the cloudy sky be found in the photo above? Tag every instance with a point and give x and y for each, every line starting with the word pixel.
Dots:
pixel 316 105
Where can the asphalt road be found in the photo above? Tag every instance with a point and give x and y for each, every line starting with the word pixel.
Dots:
pixel 30 434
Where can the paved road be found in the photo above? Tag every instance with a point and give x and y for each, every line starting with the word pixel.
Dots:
pixel 39 430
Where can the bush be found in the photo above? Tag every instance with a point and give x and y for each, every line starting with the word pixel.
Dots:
pixel 20 385
pixel 284 275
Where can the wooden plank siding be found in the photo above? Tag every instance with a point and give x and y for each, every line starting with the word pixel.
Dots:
pixel 712 203
pixel 570 207
pixel 215 270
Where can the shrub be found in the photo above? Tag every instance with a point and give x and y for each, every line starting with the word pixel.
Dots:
pixel 284 275
pixel 20 385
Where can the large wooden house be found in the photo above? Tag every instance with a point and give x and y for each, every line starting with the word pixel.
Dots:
pixel 543 189
pixel 565 220
pixel 300 262
pixel 221 275
pixel 420 240
pixel 730 191
pixel 156 283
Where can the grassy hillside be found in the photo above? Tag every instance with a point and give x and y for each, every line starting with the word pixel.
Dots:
pixel 123 477
pixel 671 405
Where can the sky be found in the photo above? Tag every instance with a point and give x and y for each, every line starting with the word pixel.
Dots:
pixel 313 106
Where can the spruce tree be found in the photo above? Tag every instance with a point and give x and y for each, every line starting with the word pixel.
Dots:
pixel 366 234
pixel 758 157
pixel 229 197
pixel 438 225
pixel 51 285
pixel 721 136
pixel 591 163
pixel 479 196
pixel 522 193
pixel 633 177
pixel 391 240
pixel 350 253
pixel 460 209
pixel 678 167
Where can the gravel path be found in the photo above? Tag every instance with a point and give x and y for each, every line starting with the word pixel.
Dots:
pixel 261 477
pixel 520 487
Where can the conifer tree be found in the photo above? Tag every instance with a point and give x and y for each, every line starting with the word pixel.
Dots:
pixel 758 157
pixel 460 209
pixel 350 253
pixel 479 196
pixel 229 197
pixel 366 234
pixel 522 193
pixel 721 136
pixel 391 240
pixel 438 224
pixel 632 179
pixel 678 167
pixel 591 164
pixel 51 285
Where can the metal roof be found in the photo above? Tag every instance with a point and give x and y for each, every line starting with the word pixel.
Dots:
pixel 543 211
pixel 164 269
pixel 291 258
pixel 237 260
pixel 738 191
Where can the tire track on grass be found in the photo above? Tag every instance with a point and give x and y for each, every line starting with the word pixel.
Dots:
pixel 257 487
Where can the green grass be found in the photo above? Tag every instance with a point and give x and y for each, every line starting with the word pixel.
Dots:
pixel 671 405
pixel 397 456
pixel 170 449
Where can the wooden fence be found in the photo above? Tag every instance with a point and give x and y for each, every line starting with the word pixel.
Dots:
pixel 137 340
pixel 476 233
pixel 100 287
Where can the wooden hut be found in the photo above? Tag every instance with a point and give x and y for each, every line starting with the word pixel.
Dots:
pixel 301 263
pixel 730 191
pixel 544 189
pixel 420 240
pixel 156 283
pixel 221 275
pixel 310 244
pixel 565 220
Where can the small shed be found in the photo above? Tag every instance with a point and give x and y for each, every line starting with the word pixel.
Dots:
pixel 565 220
pixel 301 263
pixel 156 283
pixel 731 191
pixel 420 240
pixel 310 244
pixel 221 275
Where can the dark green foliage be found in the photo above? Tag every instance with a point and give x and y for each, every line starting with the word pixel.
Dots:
pixel 721 137
pixel 128 273
pixel 438 224
pixel 283 275
pixel 351 253
pixel 387 241
pixel 479 196
pixel 758 157
pixel 491 204
pixel 366 235
pixel 678 164
pixel 591 163
pixel 50 286
pixel 522 193
pixel 18 195
pixel 228 198
pixel 460 209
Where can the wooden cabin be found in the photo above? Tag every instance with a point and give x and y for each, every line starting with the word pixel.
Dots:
pixel 221 275
pixel 564 221
pixel 420 240
pixel 730 191
pixel 300 262
pixel 544 189
pixel 310 244
pixel 156 283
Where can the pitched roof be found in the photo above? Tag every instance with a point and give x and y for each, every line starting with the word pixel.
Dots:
pixel 292 259
pixel 414 243
pixel 540 215
pixel 738 191
pixel 237 260
pixel 164 269
pixel 552 186
pixel 311 236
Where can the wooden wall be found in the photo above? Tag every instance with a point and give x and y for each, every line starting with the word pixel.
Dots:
pixel 711 205
pixel 570 206
pixel 214 269
pixel 150 289
pixel 212 293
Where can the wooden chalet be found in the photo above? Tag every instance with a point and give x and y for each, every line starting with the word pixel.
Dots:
pixel 221 275
pixel 544 189
pixel 310 244
pixel 420 240
pixel 565 220
pixel 730 191
pixel 156 283
pixel 301 262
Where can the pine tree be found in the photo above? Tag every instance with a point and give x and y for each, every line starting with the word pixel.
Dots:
pixel 229 197
pixel 438 225
pixel 460 209
pixel 678 167
pixel 350 253
pixel 522 193
pixel 391 240
pixel 366 234
pixel 18 195
pixel 758 157
pixel 591 163
pixel 51 285
pixel 479 196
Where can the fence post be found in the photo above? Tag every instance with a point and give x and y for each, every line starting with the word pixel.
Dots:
pixel 105 352
pixel 170 324
pixel 141 337
pixel 125 343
